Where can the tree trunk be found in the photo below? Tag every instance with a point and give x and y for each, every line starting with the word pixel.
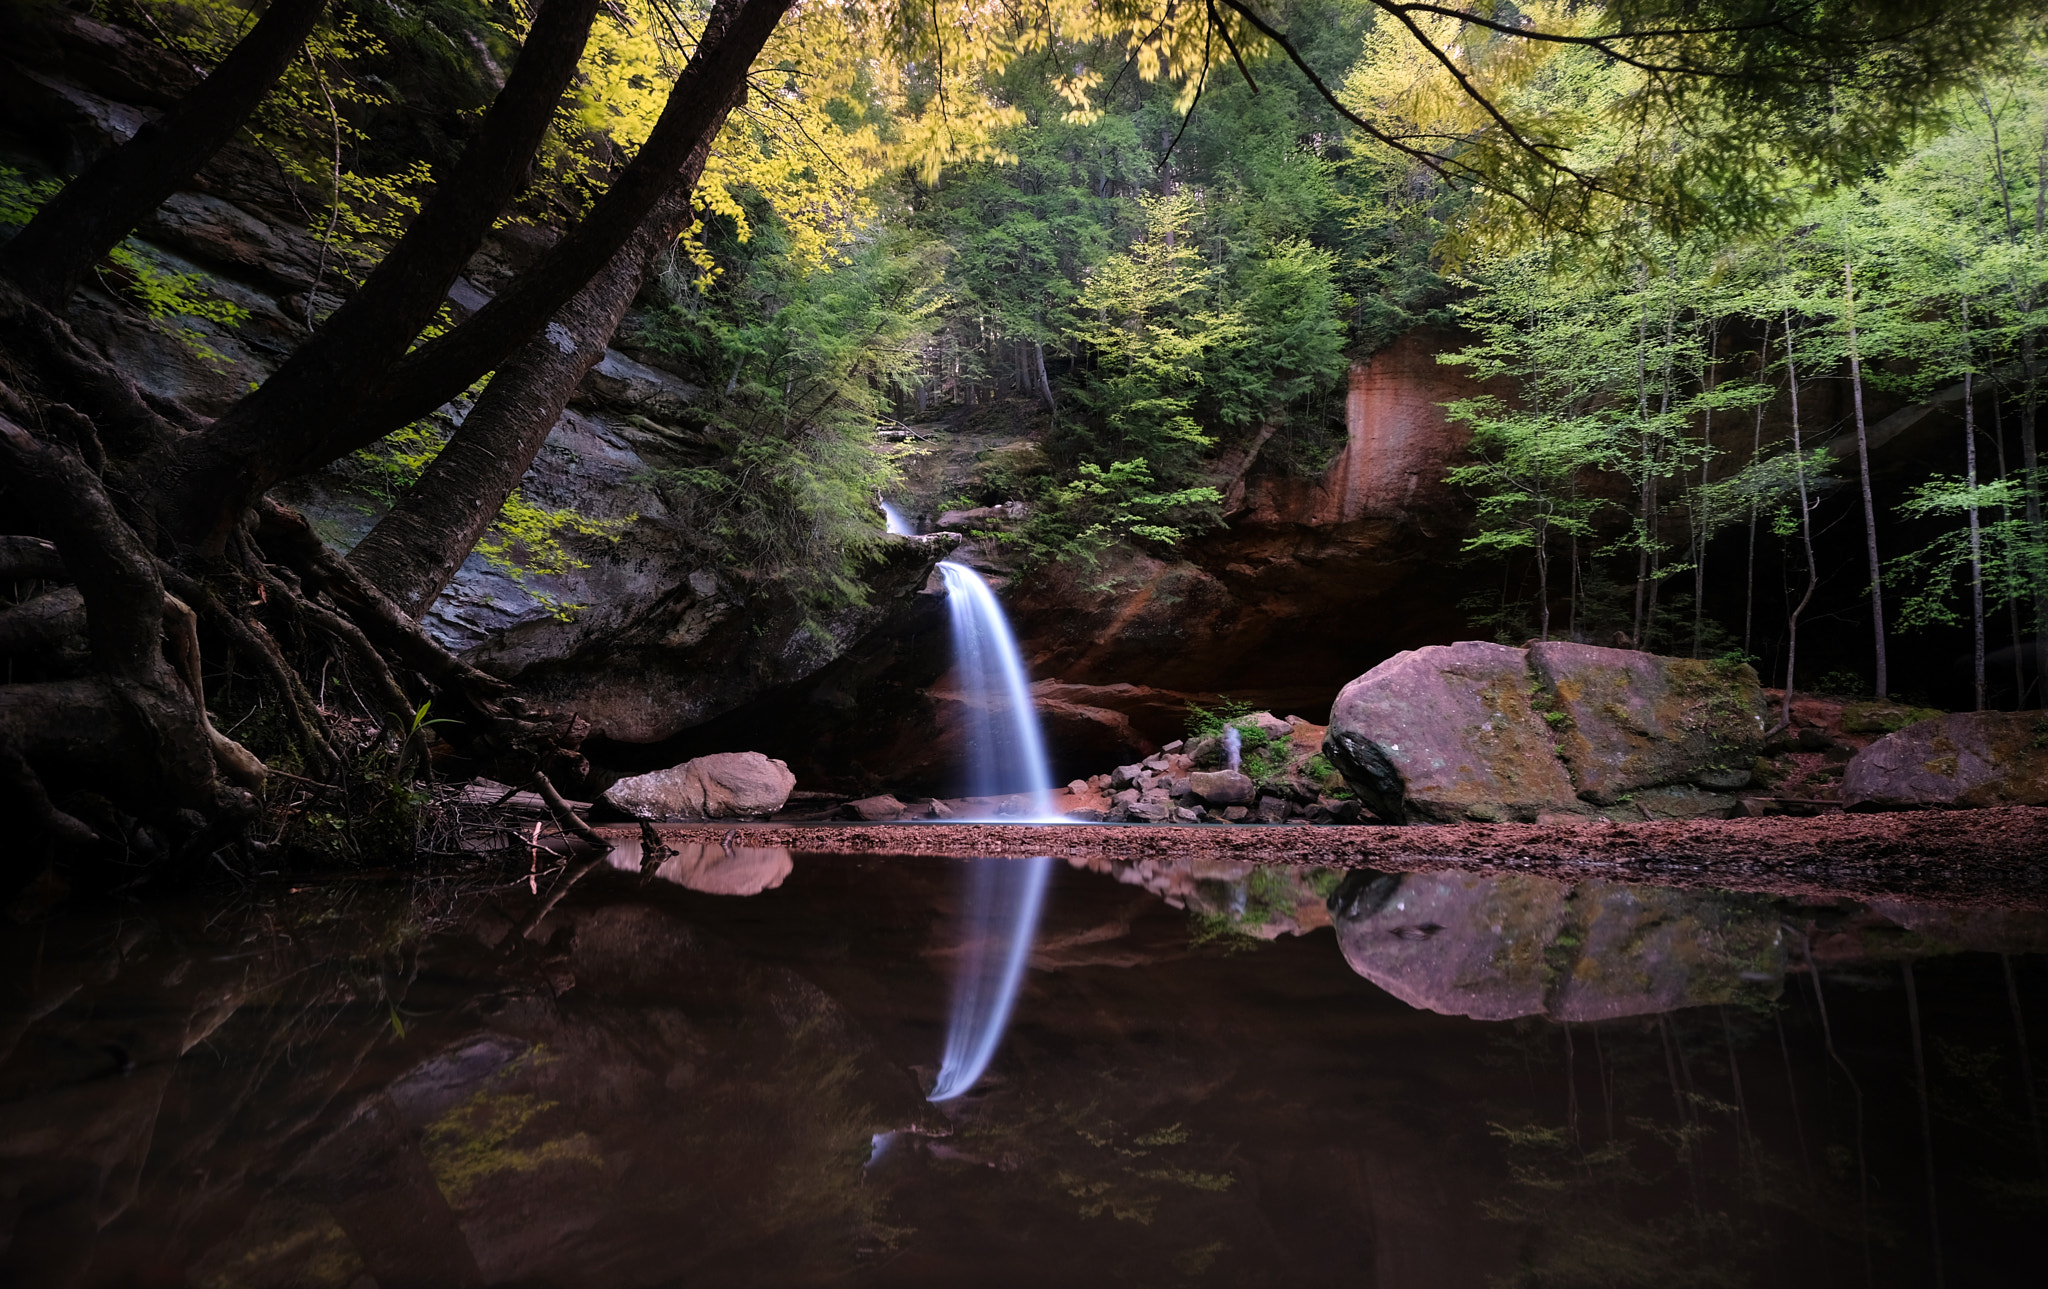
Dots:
pixel 322 387
pixel 96 210
pixel 1805 534
pixel 442 368
pixel 1044 381
pixel 1883 688
pixel 1756 449
pixel 416 548
pixel 1976 537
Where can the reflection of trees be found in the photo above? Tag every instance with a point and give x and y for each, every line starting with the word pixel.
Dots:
pixel 358 1082
pixel 1660 1176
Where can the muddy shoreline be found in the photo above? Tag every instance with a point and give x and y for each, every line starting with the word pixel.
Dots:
pixel 1951 857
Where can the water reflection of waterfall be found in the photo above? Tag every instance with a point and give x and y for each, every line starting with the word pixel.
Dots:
pixel 1000 914
pixel 1005 755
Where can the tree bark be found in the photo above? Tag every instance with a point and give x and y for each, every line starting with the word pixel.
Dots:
pixel 287 426
pixel 416 548
pixel 67 237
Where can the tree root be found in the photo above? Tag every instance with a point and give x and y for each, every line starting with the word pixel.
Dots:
pixel 389 691
pixel 565 816
pixel 21 782
pixel 249 637
pixel 182 628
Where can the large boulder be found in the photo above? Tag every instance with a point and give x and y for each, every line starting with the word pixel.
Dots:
pixel 1445 733
pixel 1961 760
pixel 724 785
pixel 1488 732
pixel 1635 720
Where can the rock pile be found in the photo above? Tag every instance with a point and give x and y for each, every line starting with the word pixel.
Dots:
pixel 1282 778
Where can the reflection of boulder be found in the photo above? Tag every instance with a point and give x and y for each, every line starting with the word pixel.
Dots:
pixel 711 868
pixel 1487 732
pixel 1964 759
pixel 1499 947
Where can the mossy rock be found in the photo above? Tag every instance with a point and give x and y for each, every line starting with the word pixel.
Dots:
pixel 1870 716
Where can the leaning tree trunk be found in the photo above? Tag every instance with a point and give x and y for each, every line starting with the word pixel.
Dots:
pixel 415 549
pixel 344 395
pixel 281 428
pixel 70 234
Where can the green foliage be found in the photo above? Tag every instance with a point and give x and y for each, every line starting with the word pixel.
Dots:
pixel 777 470
pixel 525 540
pixel 170 299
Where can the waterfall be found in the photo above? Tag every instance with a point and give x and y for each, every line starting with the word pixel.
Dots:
pixel 1005 751
pixel 1006 755
pixel 1233 747
pixel 896 523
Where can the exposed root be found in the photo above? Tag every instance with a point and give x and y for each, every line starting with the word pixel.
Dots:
pixel 22 784
pixel 566 817
pixel 181 626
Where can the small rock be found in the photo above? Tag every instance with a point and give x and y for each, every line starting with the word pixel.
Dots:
pixel 876 808
pixel 940 810
pixel 1126 799
pixel 1813 740
pixel 1236 814
pixel 1152 810
pixel 1156 764
pixel 1273 810
pixel 1760 807
pixel 1270 725
pixel 1183 815
pixel 1723 779
pixel 1125 775
pixel 1174 746
pixel 1177 785
pixel 1222 787
pixel 1079 787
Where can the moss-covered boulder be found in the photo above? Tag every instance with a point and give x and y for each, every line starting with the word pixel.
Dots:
pixel 1477 731
pixel 1965 759
pixel 1446 733
pixel 1624 720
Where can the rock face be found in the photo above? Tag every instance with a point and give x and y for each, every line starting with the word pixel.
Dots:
pixel 1495 948
pixel 1488 732
pixel 1965 759
pixel 724 785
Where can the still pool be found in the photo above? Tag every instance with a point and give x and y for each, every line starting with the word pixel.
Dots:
pixel 717 1073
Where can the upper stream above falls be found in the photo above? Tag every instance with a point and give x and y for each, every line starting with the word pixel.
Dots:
pixel 716 1074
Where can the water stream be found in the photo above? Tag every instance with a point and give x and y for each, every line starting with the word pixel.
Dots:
pixel 1005 759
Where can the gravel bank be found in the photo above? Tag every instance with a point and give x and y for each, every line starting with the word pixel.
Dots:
pixel 1976 856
